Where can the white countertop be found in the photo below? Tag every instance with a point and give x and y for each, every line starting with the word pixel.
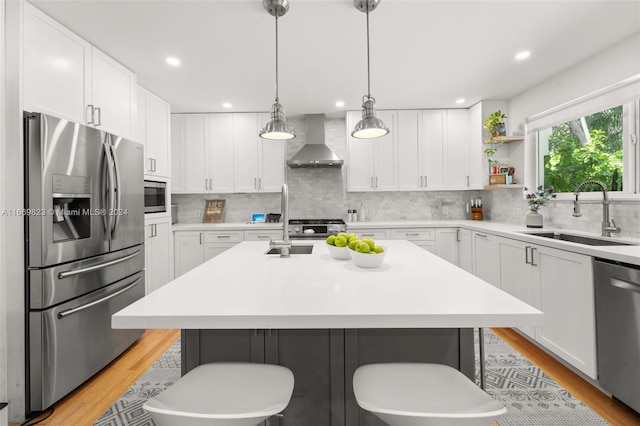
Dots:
pixel 243 288
pixel 627 254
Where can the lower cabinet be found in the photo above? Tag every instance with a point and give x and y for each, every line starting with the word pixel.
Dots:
pixel 158 247
pixel 560 284
pixel 323 362
pixel 375 233
pixel 422 237
pixel 486 262
pixel 465 250
pixel 192 248
pixel 447 244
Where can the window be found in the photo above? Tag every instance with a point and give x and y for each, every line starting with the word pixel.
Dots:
pixel 587 148
pixel 594 137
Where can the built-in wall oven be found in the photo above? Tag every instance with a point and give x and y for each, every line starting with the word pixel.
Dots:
pixel 315 229
pixel 155 196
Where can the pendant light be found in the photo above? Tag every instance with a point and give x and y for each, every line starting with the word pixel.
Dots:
pixel 277 128
pixel 370 126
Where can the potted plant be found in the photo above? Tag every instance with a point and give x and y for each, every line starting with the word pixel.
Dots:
pixel 537 199
pixel 494 124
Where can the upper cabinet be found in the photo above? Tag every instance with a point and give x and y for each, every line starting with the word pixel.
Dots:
pixel 258 163
pixel 67 77
pixel 222 153
pixel 372 163
pixel 153 133
pixel 434 150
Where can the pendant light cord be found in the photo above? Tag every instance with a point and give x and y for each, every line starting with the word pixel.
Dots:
pixel 368 61
pixel 277 100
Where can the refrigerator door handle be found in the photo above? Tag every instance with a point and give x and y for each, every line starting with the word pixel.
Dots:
pixel 107 189
pixel 67 274
pixel 97 302
pixel 118 192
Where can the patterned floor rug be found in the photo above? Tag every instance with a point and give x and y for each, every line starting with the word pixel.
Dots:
pixel 531 397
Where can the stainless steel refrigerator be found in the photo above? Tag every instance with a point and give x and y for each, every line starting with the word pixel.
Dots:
pixel 84 233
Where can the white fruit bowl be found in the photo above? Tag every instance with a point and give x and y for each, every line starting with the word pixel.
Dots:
pixel 340 253
pixel 367 260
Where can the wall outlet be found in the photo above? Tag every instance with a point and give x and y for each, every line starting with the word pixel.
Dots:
pixel 445 210
pixel 198 213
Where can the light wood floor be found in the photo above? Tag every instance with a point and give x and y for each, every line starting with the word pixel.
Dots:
pixel 86 404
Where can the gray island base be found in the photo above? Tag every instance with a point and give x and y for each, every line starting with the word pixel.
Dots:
pixel 323 362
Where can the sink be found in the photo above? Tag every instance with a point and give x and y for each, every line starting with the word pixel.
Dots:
pixel 590 241
pixel 293 250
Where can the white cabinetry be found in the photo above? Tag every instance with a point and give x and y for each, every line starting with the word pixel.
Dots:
pixel 375 233
pixel 423 237
pixel 192 248
pixel 372 163
pixel 447 244
pixel 178 152
pixel 457 151
pixel 263 235
pixel 258 163
pixel 560 284
pixel 153 133
pixel 158 251
pixel 67 77
pixel 411 164
pixel 465 250
pixel 486 262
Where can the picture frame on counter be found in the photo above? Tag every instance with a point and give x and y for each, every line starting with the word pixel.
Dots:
pixel 213 211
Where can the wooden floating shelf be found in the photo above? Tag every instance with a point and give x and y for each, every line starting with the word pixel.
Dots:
pixel 504 186
pixel 505 139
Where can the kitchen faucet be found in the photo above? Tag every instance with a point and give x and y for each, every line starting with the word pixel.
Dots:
pixel 285 244
pixel 608 225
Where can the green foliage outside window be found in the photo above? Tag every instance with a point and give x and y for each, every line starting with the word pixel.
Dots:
pixel 583 150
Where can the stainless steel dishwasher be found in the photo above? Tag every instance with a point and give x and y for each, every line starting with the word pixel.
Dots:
pixel 618 330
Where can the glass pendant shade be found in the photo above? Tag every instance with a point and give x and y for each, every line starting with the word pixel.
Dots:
pixel 370 126
pixel 277 128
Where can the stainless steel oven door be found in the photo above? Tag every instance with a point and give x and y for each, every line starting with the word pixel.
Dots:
pixel 73 341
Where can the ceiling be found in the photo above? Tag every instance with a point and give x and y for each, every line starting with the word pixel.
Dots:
pixel 424 53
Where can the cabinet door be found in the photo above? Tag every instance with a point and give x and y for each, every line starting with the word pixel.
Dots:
pixel 518 276
pixel 465 248
pixel 220 153
pixel 212 250
pixel 272 161
pixel 566 280
pixel 113 91
pixel 376 234
pixel 245 152
pixel 158 251
pixel 178 148
pixel 189 251
pixel 196 133
pixel 456 150
pixel 447 244
pixel 55 60
pixel 360 158
pixel 486 262
pixel 316 358
pixel 385 155
pixel 408 137
pixel 158 146
pixel 432 155
pixel 142 100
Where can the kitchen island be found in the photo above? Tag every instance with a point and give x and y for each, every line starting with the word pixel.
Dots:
pixel 323 318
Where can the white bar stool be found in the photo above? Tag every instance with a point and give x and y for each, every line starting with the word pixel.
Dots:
pixel 421 394
pixel 224 394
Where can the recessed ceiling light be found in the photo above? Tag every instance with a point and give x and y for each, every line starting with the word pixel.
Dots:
pixel 520 56
pixel 460 100
pixel 227 105
pixel 172 60
pixel 339 104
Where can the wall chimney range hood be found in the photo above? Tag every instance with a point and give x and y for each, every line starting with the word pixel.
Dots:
pixel 315 153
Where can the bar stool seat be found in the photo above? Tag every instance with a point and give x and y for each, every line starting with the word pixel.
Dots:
pixel 422 394
pixel 224 394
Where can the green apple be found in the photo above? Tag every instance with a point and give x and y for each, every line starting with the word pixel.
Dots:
pixel 331 240
pixel 342 234
pixel 352 237
pixel 353 243
pixel 378 249
pixel 363 247
pixel 369 241
pixel 340 241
